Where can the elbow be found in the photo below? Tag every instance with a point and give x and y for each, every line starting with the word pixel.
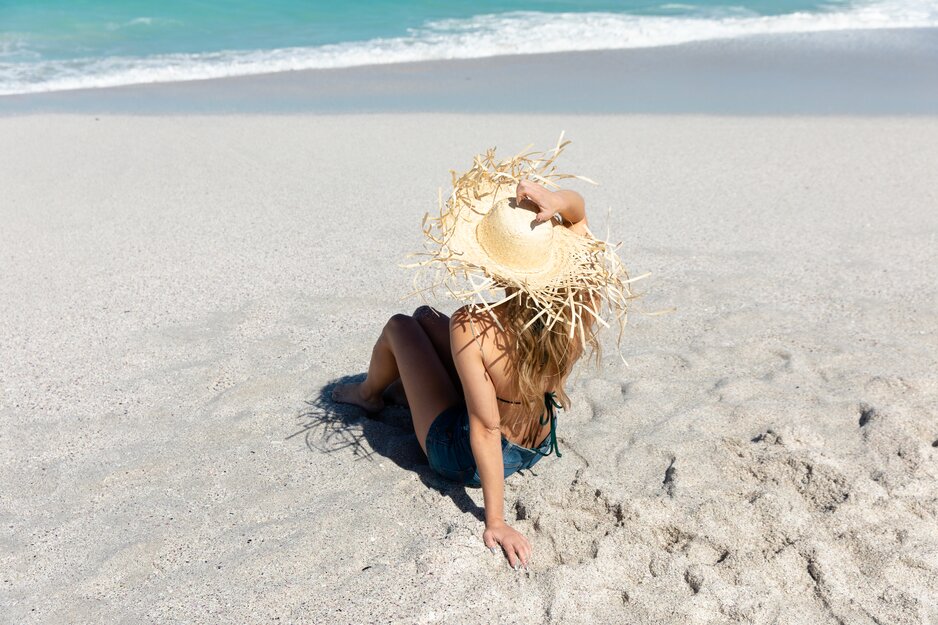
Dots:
pixel 484 441
pixel 485 431
pixel 574 200
pixel 492 430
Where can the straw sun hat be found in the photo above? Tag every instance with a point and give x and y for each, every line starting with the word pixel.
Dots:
pixel 483 238
pixel 505 241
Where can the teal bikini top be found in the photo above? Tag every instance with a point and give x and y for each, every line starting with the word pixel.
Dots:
pixel 550 414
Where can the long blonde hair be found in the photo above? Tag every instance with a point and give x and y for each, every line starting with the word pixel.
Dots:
pixel 539 351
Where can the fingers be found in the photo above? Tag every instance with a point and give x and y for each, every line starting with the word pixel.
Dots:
pixel 488 538
pixel 516 547
pixel 526 192
pixel 518 553
pixel 524 552
pixel 532 195
pixel 518 558
pixel 514 560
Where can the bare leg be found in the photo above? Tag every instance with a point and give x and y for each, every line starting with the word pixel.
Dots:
pixel 394 394
pixel 436 325
pixel 404 350
pixel 382 366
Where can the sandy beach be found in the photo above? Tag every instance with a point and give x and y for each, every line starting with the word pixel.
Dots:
pixel 178 294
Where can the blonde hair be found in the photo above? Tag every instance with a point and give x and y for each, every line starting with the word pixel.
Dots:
pixel 542 348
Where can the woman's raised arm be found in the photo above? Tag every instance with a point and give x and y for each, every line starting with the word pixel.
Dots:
pixel 485 438
pixel 564 202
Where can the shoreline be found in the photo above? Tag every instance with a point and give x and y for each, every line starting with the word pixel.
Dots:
pixel 861 72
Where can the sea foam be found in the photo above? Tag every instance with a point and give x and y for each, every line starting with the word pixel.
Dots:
pixel 476 37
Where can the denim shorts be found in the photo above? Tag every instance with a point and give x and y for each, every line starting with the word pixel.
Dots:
pixel 450 455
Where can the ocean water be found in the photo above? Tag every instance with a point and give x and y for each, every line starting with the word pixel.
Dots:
pixel 49 45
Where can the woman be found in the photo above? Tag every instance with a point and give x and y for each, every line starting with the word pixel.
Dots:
pixel 482 386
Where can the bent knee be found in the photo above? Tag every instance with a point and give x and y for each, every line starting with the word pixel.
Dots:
pixel 423 313
pixel 399 322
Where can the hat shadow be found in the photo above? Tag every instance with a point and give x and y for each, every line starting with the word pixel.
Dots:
pixel 528 206
pixel 326 426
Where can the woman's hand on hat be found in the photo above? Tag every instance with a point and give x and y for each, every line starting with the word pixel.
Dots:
pixel 516 547
pixel 537 198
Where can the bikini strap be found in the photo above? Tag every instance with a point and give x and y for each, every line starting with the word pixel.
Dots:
pixel 550 403
pixel 550 414
pixel 508 401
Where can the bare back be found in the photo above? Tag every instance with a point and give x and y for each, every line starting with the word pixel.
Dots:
pixel 518 424
pixel 476 330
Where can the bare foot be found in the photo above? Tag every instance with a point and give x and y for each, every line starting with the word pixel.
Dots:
pixel 395 394
pixel 351 394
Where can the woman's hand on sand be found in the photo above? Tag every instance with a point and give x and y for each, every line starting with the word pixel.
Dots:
pixel 516 547
pixel 538 198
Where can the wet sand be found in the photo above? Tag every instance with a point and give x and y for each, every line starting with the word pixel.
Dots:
pixel 856 72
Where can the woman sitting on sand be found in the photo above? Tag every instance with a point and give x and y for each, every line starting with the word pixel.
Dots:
pixel 483 386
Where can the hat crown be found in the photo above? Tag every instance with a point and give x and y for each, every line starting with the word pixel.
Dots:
pixel 512 236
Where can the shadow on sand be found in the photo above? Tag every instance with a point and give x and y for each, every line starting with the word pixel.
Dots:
pixel 329 427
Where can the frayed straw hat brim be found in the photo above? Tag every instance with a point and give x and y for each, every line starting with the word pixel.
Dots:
pixel 577 272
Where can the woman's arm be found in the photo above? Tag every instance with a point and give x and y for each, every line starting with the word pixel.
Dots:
pixel 485 438
pixel 566 203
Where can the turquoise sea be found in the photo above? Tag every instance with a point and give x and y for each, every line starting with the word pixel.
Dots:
pixel 48 45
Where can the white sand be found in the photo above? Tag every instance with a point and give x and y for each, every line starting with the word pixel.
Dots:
pixel 177 293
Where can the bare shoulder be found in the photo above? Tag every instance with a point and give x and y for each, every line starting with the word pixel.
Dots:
pixel 469 323
pixel 476 327
pixel 467 347
pixel 462 329
pixel 460 317
pixel 459 322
